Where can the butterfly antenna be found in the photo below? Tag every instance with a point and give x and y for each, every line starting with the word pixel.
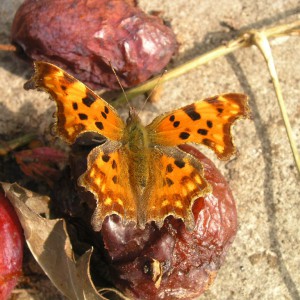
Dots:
pixel 120 84
pixel 153 90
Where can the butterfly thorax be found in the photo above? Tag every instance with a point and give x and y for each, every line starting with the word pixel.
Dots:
pixel 137 146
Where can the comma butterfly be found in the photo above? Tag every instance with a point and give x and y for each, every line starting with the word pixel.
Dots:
pixel 139 173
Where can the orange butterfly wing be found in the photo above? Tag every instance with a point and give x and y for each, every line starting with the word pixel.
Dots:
pixel 206 122
pixel 107 177
pixel 176 181
pixel 79 109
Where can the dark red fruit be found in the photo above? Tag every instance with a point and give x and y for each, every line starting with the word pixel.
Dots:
pixel 165 263
pixel 11 248
pixel 152 263
pixel 83 37
pixel 171 262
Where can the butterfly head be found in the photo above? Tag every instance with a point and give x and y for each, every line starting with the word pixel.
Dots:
pixel 133 117
pixel 135 134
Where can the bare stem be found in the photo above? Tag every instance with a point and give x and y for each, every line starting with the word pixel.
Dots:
pixel 261 41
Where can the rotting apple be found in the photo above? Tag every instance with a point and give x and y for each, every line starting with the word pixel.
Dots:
pixel 168 262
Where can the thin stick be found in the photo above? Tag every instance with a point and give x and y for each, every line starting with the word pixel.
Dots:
pixel 245 40
pixel 261 41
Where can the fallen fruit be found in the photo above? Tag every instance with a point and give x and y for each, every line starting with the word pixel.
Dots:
pixel 11 250
pixel 171 262
pixel 85 37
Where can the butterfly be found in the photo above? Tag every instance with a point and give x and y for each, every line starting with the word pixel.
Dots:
pixel 139 173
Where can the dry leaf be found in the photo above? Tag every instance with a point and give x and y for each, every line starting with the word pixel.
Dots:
pixel 49 243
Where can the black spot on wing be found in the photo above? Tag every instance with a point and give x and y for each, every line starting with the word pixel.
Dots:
pixel 179 163
pixel 105 157
pixel 82 116
pixel 99 125
pixel 75 105
pixel 172 118
pixel 89 99
pixel 63 87
pixel 190 110
pixel 169 168
pixel 202 131
pixel 209 124
pixel 106 110
pixel 114 164
pixel 169 181
pixel 115 179
pixel 184 135
pixel 104 115
pixel 176 124
pixel 220 110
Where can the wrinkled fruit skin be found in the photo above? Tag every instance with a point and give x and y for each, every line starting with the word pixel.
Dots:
pixel 11 250
pixel 170 262
pixel 83 37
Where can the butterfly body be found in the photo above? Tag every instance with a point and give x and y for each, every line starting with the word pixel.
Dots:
pixel 139 173
pixel 136 146
pixel 136 141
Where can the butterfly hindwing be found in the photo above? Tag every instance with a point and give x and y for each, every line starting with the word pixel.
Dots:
pixel 107 177
pixel 206 122
pixel 79 109
pixel 176 181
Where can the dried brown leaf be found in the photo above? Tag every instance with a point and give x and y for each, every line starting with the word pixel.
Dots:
pixel 49 243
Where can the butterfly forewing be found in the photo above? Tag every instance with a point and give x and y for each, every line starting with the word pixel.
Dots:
pixel 79 109
pixel 206 122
